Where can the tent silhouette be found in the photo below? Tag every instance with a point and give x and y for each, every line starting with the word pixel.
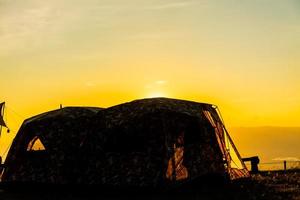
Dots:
pixel 150 142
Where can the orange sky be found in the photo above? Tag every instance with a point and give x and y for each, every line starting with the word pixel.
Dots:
pixel 242 56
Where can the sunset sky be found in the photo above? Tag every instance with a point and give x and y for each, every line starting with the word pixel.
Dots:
pixel 243 56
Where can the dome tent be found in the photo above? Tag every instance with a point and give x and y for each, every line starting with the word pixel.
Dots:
pixel 46 146
pixel 159 141
pixel 148 142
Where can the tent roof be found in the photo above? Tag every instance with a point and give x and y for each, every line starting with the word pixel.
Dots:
pixel 66 112
pixel 156 100
pixel 127 111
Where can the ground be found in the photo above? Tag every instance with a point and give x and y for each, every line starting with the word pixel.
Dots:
pixel 280 184
pixel 265 185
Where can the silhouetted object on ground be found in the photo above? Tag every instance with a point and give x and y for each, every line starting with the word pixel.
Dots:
pixel 254 163
pixel 284 165
pixel 2 122
pixel 156 142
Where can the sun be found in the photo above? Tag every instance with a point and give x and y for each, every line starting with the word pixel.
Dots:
pixel 156 94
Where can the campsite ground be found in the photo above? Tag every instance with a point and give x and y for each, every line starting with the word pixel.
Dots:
pixel 266 185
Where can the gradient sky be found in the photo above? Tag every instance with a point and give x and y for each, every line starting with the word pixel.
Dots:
pixel 243 56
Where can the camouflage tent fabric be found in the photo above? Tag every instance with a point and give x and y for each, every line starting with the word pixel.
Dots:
pixel 61 132
pixel 149 142
pixel 138 137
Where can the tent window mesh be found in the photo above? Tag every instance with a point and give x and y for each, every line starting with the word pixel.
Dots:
pixel 35 145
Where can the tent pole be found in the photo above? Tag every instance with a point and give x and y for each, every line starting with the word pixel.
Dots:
pixel 228 136
pixel 233 146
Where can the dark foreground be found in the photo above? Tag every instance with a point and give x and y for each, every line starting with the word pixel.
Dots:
pixel 266 185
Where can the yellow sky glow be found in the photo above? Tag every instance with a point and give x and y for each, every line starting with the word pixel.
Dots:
pixel 242 56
